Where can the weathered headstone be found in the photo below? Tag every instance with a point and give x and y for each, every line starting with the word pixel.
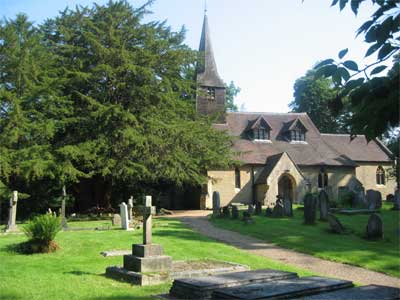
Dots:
pixel 12 214
pixel 226 212
pixel 258 208
pixel 216 203
pixel 250 209
pixel 278 210
pixel 310 205
pixel 235 212
pixel 323 205
pixel 268 211
pixel 375 227
pixel 374 199
pixel 116 220
pixel 287 207
pixel 130 207
pixel 396 200
pixel 64 224
pixel 247 217
pixel 124 216
pixel 335 224
pixel 389 198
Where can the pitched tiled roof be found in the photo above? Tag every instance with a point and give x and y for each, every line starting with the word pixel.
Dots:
pixel 358 149
pixel 318 149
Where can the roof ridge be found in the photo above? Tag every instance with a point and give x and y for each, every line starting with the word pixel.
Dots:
pixel 261 113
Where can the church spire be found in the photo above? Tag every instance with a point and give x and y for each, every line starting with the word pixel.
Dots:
pixel 207 73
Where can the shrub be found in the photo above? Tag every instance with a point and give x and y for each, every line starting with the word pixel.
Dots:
pixel 41 231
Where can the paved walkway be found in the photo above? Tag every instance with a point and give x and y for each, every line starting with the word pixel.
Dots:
pixel 198 221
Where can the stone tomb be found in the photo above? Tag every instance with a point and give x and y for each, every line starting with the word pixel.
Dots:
pixel 202 287
pixel 145 258
pixel 367 292
pixel 282 289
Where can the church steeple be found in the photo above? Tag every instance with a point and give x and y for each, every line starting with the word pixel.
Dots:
pixel 210 98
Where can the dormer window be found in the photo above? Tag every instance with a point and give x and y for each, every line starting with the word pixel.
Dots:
pixel 261 133
pixel 297 135
pixel 210 95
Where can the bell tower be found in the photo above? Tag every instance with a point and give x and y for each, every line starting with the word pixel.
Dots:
pixel 210 97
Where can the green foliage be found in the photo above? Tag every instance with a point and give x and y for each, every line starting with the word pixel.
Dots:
pixel 376 96
pixel 314 95
pixel 231 92
pixel 97 93
pixel 43 228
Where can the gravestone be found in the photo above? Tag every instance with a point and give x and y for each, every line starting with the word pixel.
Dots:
pixel 235 212
pixel 12 213
pixel 216 204
pixel 396 200
pixel 247 218
pixel 116 220
pixel 258 208
pixel 287 207
pixel 335 224
pixel 124 216
pixel 278 210
pixel 375 227
pixel 268 211
pixel 389 198
pixel 374 199
pixel 310 207
pixel 356 187
pixel 323 205
pixel 64 224
pixel 130 207
pixel 250 209
pixel 226 212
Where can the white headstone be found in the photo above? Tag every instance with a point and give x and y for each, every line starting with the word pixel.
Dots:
pixel 124 216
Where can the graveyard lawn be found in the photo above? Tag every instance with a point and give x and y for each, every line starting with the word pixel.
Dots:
pixel 77 270
pixel 350 248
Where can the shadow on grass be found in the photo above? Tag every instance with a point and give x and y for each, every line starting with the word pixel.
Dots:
pixel 81 273
pixel 122 298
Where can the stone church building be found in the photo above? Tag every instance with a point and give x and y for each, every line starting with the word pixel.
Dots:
pixel 283 153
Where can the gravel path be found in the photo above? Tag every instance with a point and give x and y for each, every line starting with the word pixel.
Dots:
pixel 199 222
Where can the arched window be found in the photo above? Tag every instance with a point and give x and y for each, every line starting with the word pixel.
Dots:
pixel 237 178
pixel 322 179
pixel 380 175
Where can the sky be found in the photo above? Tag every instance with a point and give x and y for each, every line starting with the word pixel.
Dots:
pixel 263 46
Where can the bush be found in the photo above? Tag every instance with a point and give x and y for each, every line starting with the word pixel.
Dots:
pixel 41 232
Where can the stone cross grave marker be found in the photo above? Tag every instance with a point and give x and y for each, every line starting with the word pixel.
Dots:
pixel 12 213
pixel 124 216
pixel 130 207
pixel 216 204
pixel 323 205
pixel 375 227
pixel 63 217
pixel 147 234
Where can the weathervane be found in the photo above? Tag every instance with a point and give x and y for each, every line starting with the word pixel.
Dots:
pixel 205 7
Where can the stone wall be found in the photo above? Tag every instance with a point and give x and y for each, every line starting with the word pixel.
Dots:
pixel 366 173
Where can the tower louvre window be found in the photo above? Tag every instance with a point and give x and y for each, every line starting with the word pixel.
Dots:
pixel 210 94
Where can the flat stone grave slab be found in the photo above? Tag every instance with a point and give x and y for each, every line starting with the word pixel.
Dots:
pixel 115 253
pixel 282 289
pixel 180 269
pixel 202 287
pixel 370 292
pixel 357 211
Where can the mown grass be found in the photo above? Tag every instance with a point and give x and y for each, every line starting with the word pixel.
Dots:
pixel 351 248
pixel 76 271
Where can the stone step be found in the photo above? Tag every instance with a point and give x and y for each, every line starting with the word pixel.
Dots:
pixel 370 292
pixel 282 289
pixel 202 287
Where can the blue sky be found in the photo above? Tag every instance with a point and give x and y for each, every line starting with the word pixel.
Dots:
pixel 261 45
